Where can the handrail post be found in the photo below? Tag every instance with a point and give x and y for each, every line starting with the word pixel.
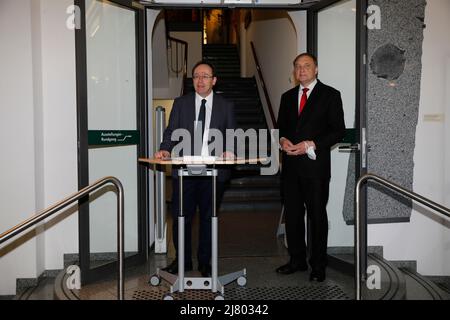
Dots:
pixel 358 240
pixel 25 225
pixel 392 186
pixel 120 240
pixel 160 237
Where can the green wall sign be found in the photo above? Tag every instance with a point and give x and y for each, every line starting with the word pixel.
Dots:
pixel 113 137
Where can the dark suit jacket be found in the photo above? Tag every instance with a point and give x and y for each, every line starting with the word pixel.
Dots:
pixel 322 121
pixel 183 116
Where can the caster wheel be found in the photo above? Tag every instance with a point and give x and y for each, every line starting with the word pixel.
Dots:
pixel 155 281
pixel 242 281
pixel 167 296
pixel 219 297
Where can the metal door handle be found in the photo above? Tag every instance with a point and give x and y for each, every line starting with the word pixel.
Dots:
pixel 350 147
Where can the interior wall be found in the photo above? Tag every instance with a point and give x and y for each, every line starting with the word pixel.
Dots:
pixel 39 164
pixel 194 40
pixel 38 117
pixel 151 16
pixel 426 238
pixel 394 84
pixel 60 128
pixel 17 187
pixel 273 35
pixel 159 53
pixel 169 86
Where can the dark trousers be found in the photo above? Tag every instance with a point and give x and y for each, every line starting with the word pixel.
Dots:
pixel 302 193
pixel 197 193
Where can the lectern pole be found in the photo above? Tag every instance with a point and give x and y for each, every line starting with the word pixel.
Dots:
pixel 215 283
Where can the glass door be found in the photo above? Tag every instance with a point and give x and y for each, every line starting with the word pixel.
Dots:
pixel 111 134
pixel 335 32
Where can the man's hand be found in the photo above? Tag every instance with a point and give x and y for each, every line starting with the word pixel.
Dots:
pixel 297 149
pixel 292 149
pixel 162 154
pixel 286 144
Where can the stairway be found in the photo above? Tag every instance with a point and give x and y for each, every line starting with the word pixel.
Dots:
pixel 225 59
pixel 399 279
pixel 248 190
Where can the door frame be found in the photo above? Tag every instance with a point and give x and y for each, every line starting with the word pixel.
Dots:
pixel 312 9
pixel 360 98
pixel 88 274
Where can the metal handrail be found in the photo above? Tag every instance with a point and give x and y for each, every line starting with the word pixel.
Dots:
pixel 390 185
pixel 263 83
pixel 21 227
pixel 177 69
pixel 185 58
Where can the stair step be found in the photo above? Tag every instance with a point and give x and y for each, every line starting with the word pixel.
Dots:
pixel 250 97
pixel 252 126
pixel 250 206
pixel 419 287
pixel 251 118
pixel 247 190
pixel 228 66
pixel 230 60
pixel 251 194
pixel 227 75
pixel 255 181
pixel 250 169
pixel 247 110
pixel 209 48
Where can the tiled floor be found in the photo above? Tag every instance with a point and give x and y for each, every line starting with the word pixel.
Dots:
pixel 246 240
pixel 43 291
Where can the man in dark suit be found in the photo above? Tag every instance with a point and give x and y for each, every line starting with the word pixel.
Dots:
pixel 198 113
pixel 311 121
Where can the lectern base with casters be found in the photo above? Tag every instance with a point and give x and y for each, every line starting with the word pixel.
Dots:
pixel 179 283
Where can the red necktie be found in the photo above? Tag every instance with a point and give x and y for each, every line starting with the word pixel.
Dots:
pixel 303 100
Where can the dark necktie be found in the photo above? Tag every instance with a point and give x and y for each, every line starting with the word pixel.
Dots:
pixel 201 116
pixel 200 129
pixel 303 100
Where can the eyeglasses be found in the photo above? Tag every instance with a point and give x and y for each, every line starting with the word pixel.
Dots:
pixel 203 76
pixel 303 67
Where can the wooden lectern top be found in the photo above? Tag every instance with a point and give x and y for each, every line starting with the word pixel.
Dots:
pixel 192 160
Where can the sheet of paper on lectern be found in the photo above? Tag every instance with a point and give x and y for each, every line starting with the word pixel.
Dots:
pixel 200 159
pixel 187 1
pixel 238 1
pixel 255 2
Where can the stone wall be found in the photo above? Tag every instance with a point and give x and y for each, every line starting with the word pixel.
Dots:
pixel 393 92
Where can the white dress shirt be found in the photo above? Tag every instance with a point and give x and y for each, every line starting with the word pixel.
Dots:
pixel 208 111
pixel 300 91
